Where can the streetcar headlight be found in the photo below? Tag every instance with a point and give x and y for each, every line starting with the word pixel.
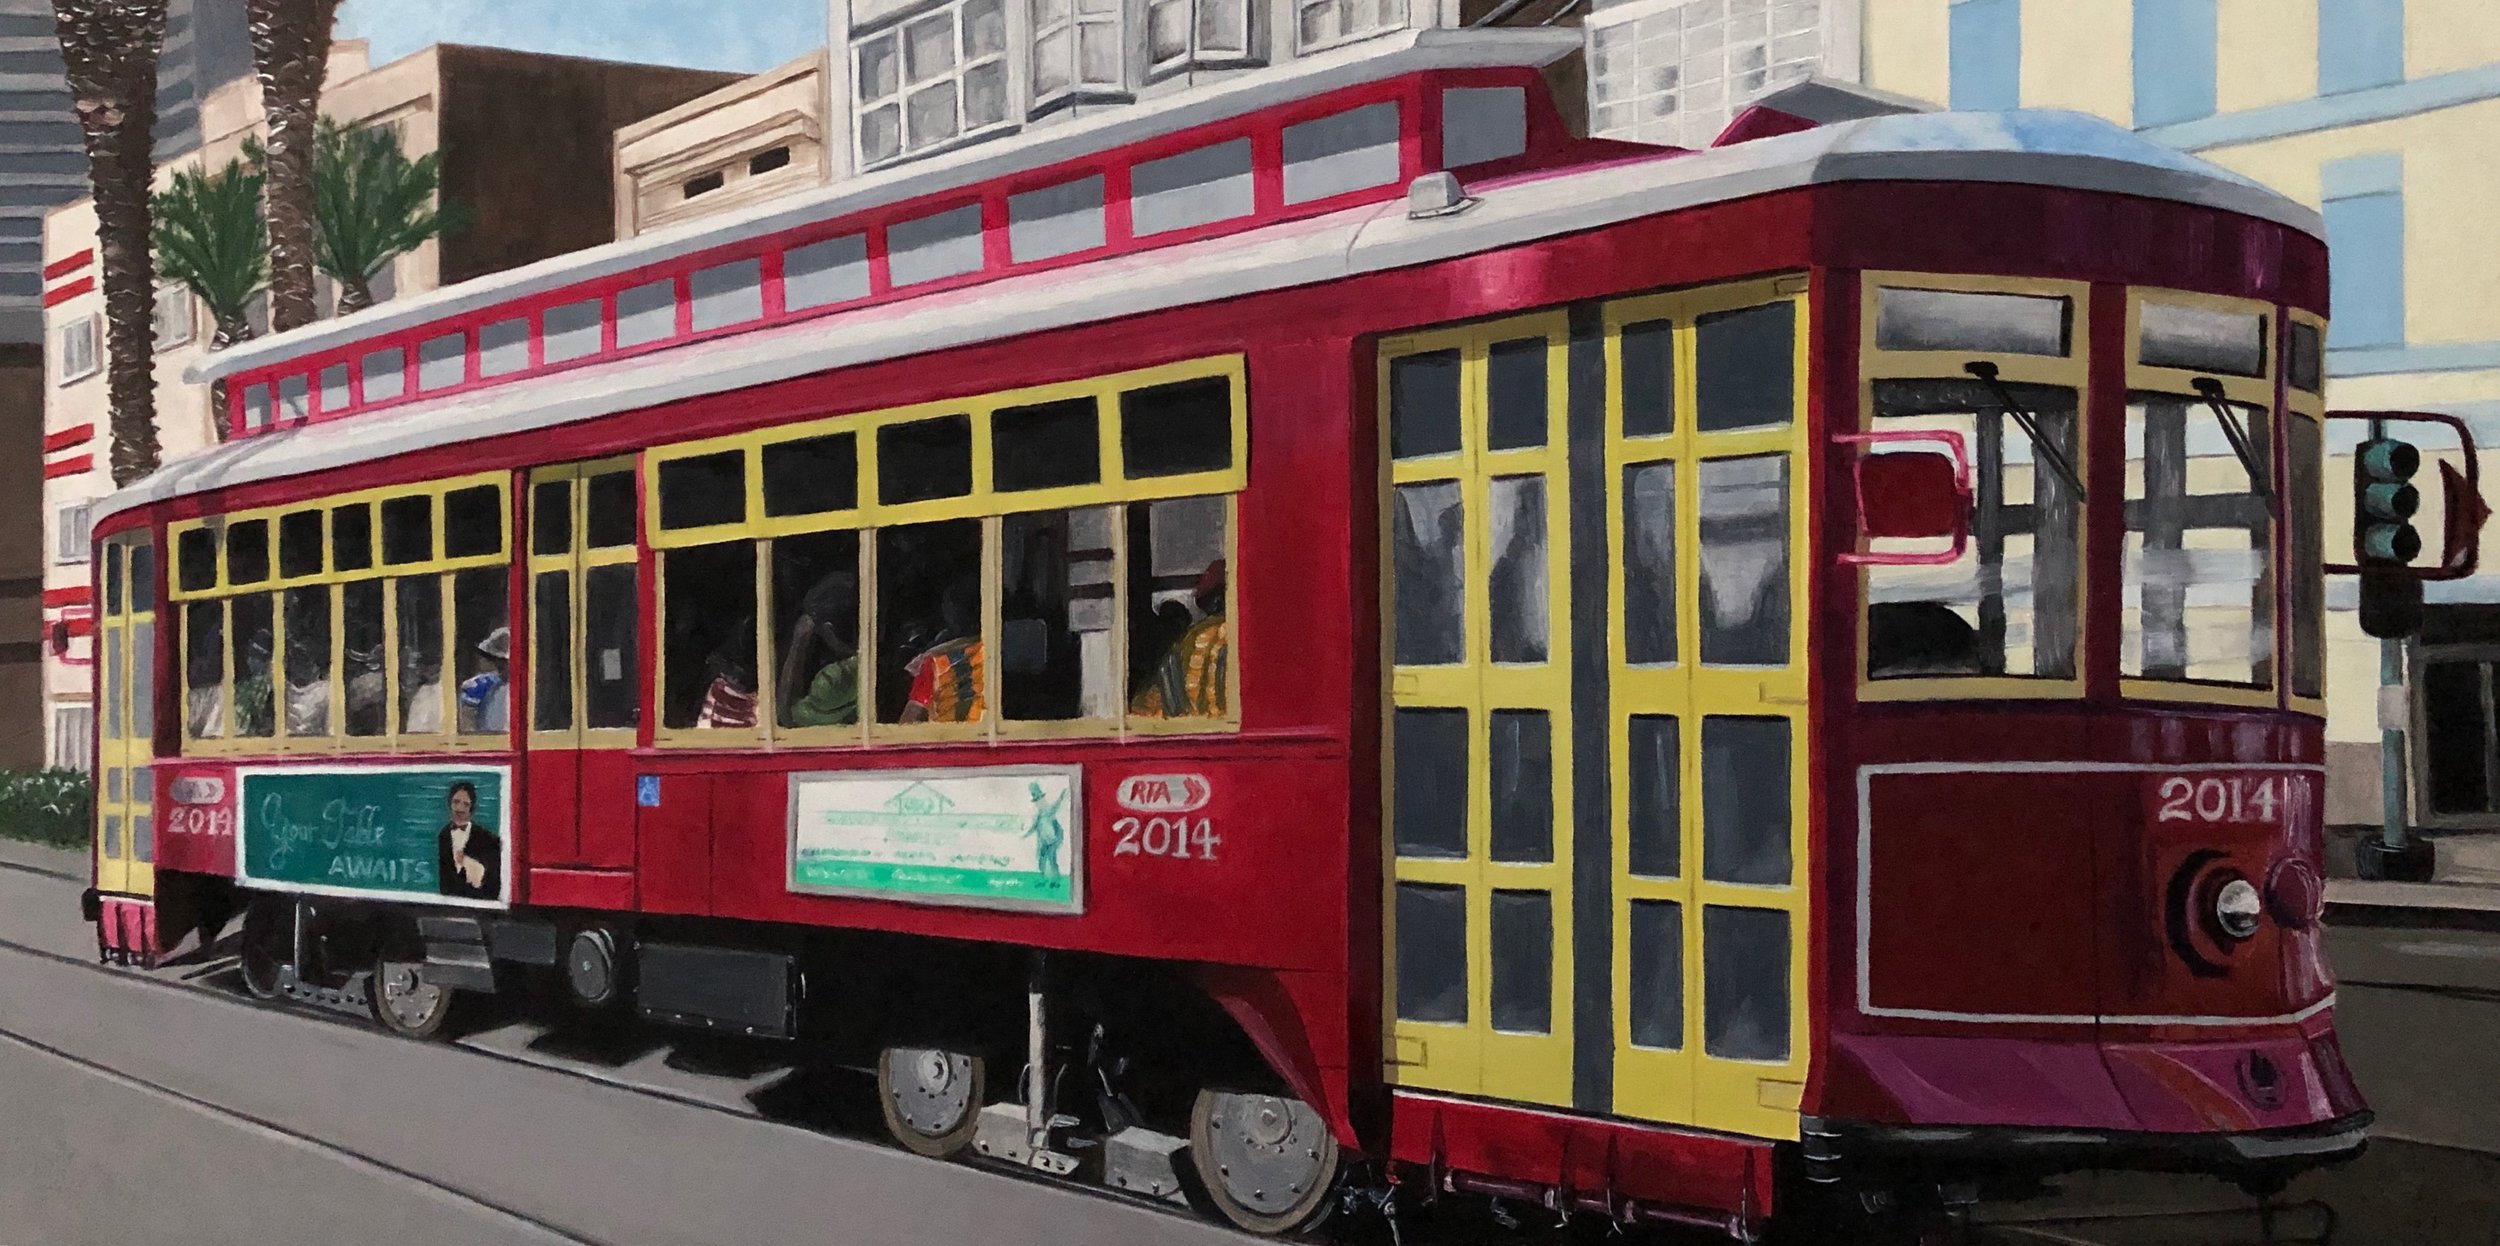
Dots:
pixel 2237 906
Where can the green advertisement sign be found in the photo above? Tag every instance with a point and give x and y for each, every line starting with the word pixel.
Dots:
pixel 997 837
pixel 439 832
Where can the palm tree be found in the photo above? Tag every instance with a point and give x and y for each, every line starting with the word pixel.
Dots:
pixel 291 49
pixel 370 204
pixel 109 49
pixel 211 239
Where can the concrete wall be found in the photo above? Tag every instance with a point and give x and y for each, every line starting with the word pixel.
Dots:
pixel 716 138
pixel 21 560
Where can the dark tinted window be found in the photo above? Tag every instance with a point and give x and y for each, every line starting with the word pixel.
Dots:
pixel 1423 405
pixel 1744 983
pixel 1654 780
pixel 112 590
pixel 2307 363
pixel 608 510
pixel 1515 394
pixel 551 517
pixel 703 490
pixel 1649 563
pixel 1432 952
pixel 1430 811
pixel 924 459
pixel 1744 367
pixel 1523 962
pixel 473 522
pixel 247 551
pixel 1523 785
pixel 351 537
pixel 1046 446
pixel 407 530
pixel 1648 379
pixel 1657 955
pixel 142 578
pixel 1428 525
pixel 551 667
pixel 195 559
pixel 1170 430
pixel 812 475
pixel 299 543
pixel 1744 800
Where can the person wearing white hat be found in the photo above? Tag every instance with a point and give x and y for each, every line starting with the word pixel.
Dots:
pixel 486 697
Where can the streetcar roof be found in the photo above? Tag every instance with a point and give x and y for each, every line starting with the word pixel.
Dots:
pixel 2027 147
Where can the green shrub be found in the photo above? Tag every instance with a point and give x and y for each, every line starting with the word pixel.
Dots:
pixel 46 806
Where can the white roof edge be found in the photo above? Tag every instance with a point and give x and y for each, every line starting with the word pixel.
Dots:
pixel 1371 60
pixel 1356 241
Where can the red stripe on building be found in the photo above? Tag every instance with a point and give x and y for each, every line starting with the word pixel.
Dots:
pixel 69 467
pixel 75 435
pixel 63 294
pixel 68 264
pixel 74 595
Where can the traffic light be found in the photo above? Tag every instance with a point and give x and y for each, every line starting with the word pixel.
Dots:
pixel 2383 538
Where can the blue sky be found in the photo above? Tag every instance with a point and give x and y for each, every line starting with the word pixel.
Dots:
pixel 742 35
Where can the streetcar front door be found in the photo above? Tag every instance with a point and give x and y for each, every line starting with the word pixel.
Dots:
pixel 1597 709
pixel 583 665
pixel 125 648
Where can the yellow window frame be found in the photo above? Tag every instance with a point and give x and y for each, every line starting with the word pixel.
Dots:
pixel 2301 404
pixel 576 563
pixel 2070 371
pixel 125 757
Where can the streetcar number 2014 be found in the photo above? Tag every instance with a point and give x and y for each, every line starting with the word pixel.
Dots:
pixel 1180 838
pixel 2237 798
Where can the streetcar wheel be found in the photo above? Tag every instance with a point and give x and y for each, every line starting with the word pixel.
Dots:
pixel 264 948
pixel 1268 1162
pixel 931 1098
pixel 404 1002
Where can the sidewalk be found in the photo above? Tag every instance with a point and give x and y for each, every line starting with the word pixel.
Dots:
pixel 2465 880
pixel 65 862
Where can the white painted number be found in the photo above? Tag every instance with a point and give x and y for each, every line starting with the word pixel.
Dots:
pixel 1181 839
pixel 2239 798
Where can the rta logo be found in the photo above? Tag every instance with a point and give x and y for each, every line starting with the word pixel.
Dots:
pixel 1165 793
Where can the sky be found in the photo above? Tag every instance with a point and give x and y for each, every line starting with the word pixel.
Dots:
pixel 741 35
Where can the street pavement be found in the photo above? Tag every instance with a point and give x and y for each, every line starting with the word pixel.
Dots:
pixel 140 1107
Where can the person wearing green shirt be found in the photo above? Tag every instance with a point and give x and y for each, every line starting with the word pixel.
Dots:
pixel 828 617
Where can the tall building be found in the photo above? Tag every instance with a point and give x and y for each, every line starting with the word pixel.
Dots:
pixel 1677 71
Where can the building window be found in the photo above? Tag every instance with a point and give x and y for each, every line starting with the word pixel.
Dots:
pixel 1079 48
pixel 70 534
pixel 73 737
pixel 1985 54
pixel 1678 76
pixel 1327 23
pixel 76 349
pixel 2365 234
pixel 2361 43
pixel 2174 60
pixel 931 80
pixel 1185 32
pixel 172 320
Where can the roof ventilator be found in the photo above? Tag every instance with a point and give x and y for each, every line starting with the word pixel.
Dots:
pixel 1436 194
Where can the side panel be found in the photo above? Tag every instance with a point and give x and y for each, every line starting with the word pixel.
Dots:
pixel 674 839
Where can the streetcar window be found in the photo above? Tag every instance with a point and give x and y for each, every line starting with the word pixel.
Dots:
pixel 1428 810
pixel 1423 405
pixel 308 661
pixel 2306 508
pixel 551 518
pixel 204 670
pixel 503 346
pixel 1432 952
pixel 1056 615
pixel 334 387
pixel 295 396
pixel 482 629
pixel 1745 819
pixel 142 577
pixel 408 529
pixel 1980 322
pixel 822 273
pixel 727 294
pixel 143 683
pixel 1522 945
pixel 1744 983
pixel 608 510
pixel 299 544
pixel 247 551
pixel 386 374
pixel 2201 339
pixel 257 413
pixel 1745 367
pixel 1516 398
pixel 1649 563
pixel 1656 934
pixel 1648 378
pixel 2010 605
pixel 351 537
pixel 443 361
pixel 115 678
pixel 473 522
pixel 931 660
pixel 933 247
pixel 2306 364
pixel 1744 561
pixel 253 637
pixel 195 559
pixel 1522 756
pixel 1348 151
pixel 1653 775
pixel 703 490
pixel 113 568
pixel 646 313
pixel 1194 188
pixel 1430 524
pixel 1519 594
pixel 812 475
pixel 1055 220
pixel 362 674
pixel 612 661
pixel 1176 429
pixel 924 459
pixel 570 331
pixel 551 660
pixel 419 606
pixel 1479 124
pixel 2197 577
pixel 708 639
pixel 816 623
pixel 1179 590
pixel 1046 446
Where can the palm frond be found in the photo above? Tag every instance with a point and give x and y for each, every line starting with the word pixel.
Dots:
pixel 371 202
pixel 209 236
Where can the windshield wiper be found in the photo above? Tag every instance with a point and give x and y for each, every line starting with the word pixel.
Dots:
pixel 2211 391
pixel 2050 454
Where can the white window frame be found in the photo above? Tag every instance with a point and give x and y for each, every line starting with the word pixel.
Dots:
pixel 1069 24
pixel 1625 83
pixel 896 35
pixel 73 736
pixel 1236 21
pixel 171 299
pixel 1343 37
pixel 72 532
pixel 88 329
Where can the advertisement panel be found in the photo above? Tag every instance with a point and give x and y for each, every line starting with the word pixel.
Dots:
pixel 433 832
pixel 1005 837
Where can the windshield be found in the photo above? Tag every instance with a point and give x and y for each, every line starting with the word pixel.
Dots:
pixel 2197 578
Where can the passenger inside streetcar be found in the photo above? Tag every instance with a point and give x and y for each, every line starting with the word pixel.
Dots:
pixel 827 631
pixel 946 679
pixel 1189 681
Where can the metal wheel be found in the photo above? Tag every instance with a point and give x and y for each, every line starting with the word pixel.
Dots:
pixel 1268 1162
pixel 404 1002
pixel 931 1098
pixel 265 947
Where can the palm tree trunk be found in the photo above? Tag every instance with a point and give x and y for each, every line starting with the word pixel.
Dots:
pixel 109 49
pixel 355 294
pixel 229 332
pixel 291 49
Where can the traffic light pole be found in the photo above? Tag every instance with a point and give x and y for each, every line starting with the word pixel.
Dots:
pixel 2391 744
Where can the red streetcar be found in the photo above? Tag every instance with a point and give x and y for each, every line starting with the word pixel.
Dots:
pixel 1336 636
